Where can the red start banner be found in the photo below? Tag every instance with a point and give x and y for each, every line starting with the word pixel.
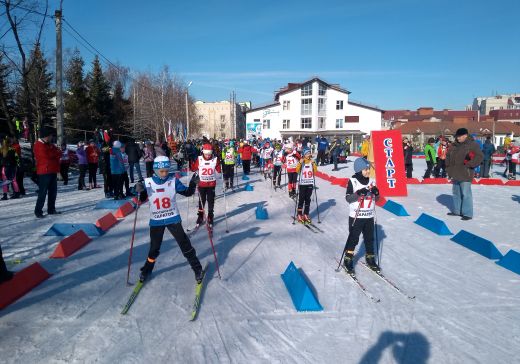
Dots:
pixel 389 162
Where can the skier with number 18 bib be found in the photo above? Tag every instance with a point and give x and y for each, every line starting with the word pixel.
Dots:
pixel 207 166
pixel 161 190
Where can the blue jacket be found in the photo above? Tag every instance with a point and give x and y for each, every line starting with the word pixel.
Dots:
pixel 323 143
pixel 488 149
pixel 116 161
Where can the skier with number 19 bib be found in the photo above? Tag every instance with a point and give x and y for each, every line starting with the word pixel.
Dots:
pixel 207 166
pixel 306 169
pixel 161 189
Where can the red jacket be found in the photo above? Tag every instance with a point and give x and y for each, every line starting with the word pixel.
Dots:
pixel 246 152
pixel 92 154
pixel 47 157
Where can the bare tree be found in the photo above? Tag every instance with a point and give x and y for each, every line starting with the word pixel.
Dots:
pixel 26 21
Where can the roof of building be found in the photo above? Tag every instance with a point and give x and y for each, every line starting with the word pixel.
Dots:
pixel 365 106
pixel 293 86
pixel 262 106
pixel 444 115
pixel 448 127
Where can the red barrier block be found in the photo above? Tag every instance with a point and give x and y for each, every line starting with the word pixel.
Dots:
pixel 381 202
pixel 124 210
pixel 71 244
pixel 491 181
pixel 513 183
pixel 106 222
pixel 413 181
pixel 22 283
pixel 435 181
pixel 340 182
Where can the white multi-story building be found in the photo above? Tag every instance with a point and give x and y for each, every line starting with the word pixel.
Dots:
pixel 312 108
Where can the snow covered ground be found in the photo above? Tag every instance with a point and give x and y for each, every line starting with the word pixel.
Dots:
pixel 466 310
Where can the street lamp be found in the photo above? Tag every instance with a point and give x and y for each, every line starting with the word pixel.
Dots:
pixel 187 112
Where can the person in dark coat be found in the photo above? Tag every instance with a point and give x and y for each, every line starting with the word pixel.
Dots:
pixel 464 155
pixel 408 154
pixel 134 155
pixel 488 149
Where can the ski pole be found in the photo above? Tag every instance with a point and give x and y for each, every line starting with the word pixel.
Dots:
pixel 210 237
pixel 297 196
pixel 351 226
pixel 378 246
pixel 316 195
pixel 132 244
pixel 285 179
pixel 225 202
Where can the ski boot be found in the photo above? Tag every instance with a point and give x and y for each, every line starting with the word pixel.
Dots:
pixel 4 197
pixel 210 220
pixel 146 269
pixel 199 276
pixel 200 218
pixel 370 259
pixel 15 195
pixel 307 219
pixel 348 262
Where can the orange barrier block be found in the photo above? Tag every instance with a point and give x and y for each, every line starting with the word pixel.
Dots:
pixel 22 283
pixel 106 222
pixel 381 202
pixel 491 181
pixel 435 181
pixel 124 210
pixel 413 181
pixel 513 183
pixel 71 244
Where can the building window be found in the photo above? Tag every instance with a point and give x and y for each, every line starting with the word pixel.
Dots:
pixel 321 123
pixel 322 90
pixel 339 105
pixel 222 118
pixel 339 123
pixel 307 90
pixel 286 124
pixel 266 124
pixel 352 119
pixel 286 105
pixel 306 106
pixel 322 106
pixel 306 123
pixel 256 120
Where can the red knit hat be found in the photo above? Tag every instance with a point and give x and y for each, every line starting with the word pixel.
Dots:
pixel 207 149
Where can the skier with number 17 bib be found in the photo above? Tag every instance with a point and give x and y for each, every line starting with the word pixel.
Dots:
pixel 362 195
pixel 207 167
pixel 161 190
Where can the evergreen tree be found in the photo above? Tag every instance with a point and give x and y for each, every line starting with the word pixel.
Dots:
pixel 100 106
pixel 41 94
pixel 6 101
pixel 76 96
pixel 121 106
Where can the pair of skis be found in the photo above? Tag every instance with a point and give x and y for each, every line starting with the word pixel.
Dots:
pixel 196 301
pixel 309 225
pixel 381 276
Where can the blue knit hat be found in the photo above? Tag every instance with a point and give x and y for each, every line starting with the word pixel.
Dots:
pixel 360 164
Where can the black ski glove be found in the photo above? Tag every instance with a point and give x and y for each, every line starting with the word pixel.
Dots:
pixel 195 179
pixel 139 187
pixel 375 191
pixel 362 192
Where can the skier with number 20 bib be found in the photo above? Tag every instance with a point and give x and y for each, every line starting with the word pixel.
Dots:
pixel 161 190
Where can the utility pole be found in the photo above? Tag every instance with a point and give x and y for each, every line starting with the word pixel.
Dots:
pixel 187 113
pixel 59 78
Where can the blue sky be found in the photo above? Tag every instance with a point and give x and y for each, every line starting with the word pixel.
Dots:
pixel 390 53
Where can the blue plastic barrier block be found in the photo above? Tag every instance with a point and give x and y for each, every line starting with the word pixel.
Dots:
pixel 248 187
pixel 433 224
pixel 69 229
pixel 511 261
pixel 477 244
pixel 395 208
pixel 301 294
pixel 245 178
pixel 110 204
pixel 261 213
